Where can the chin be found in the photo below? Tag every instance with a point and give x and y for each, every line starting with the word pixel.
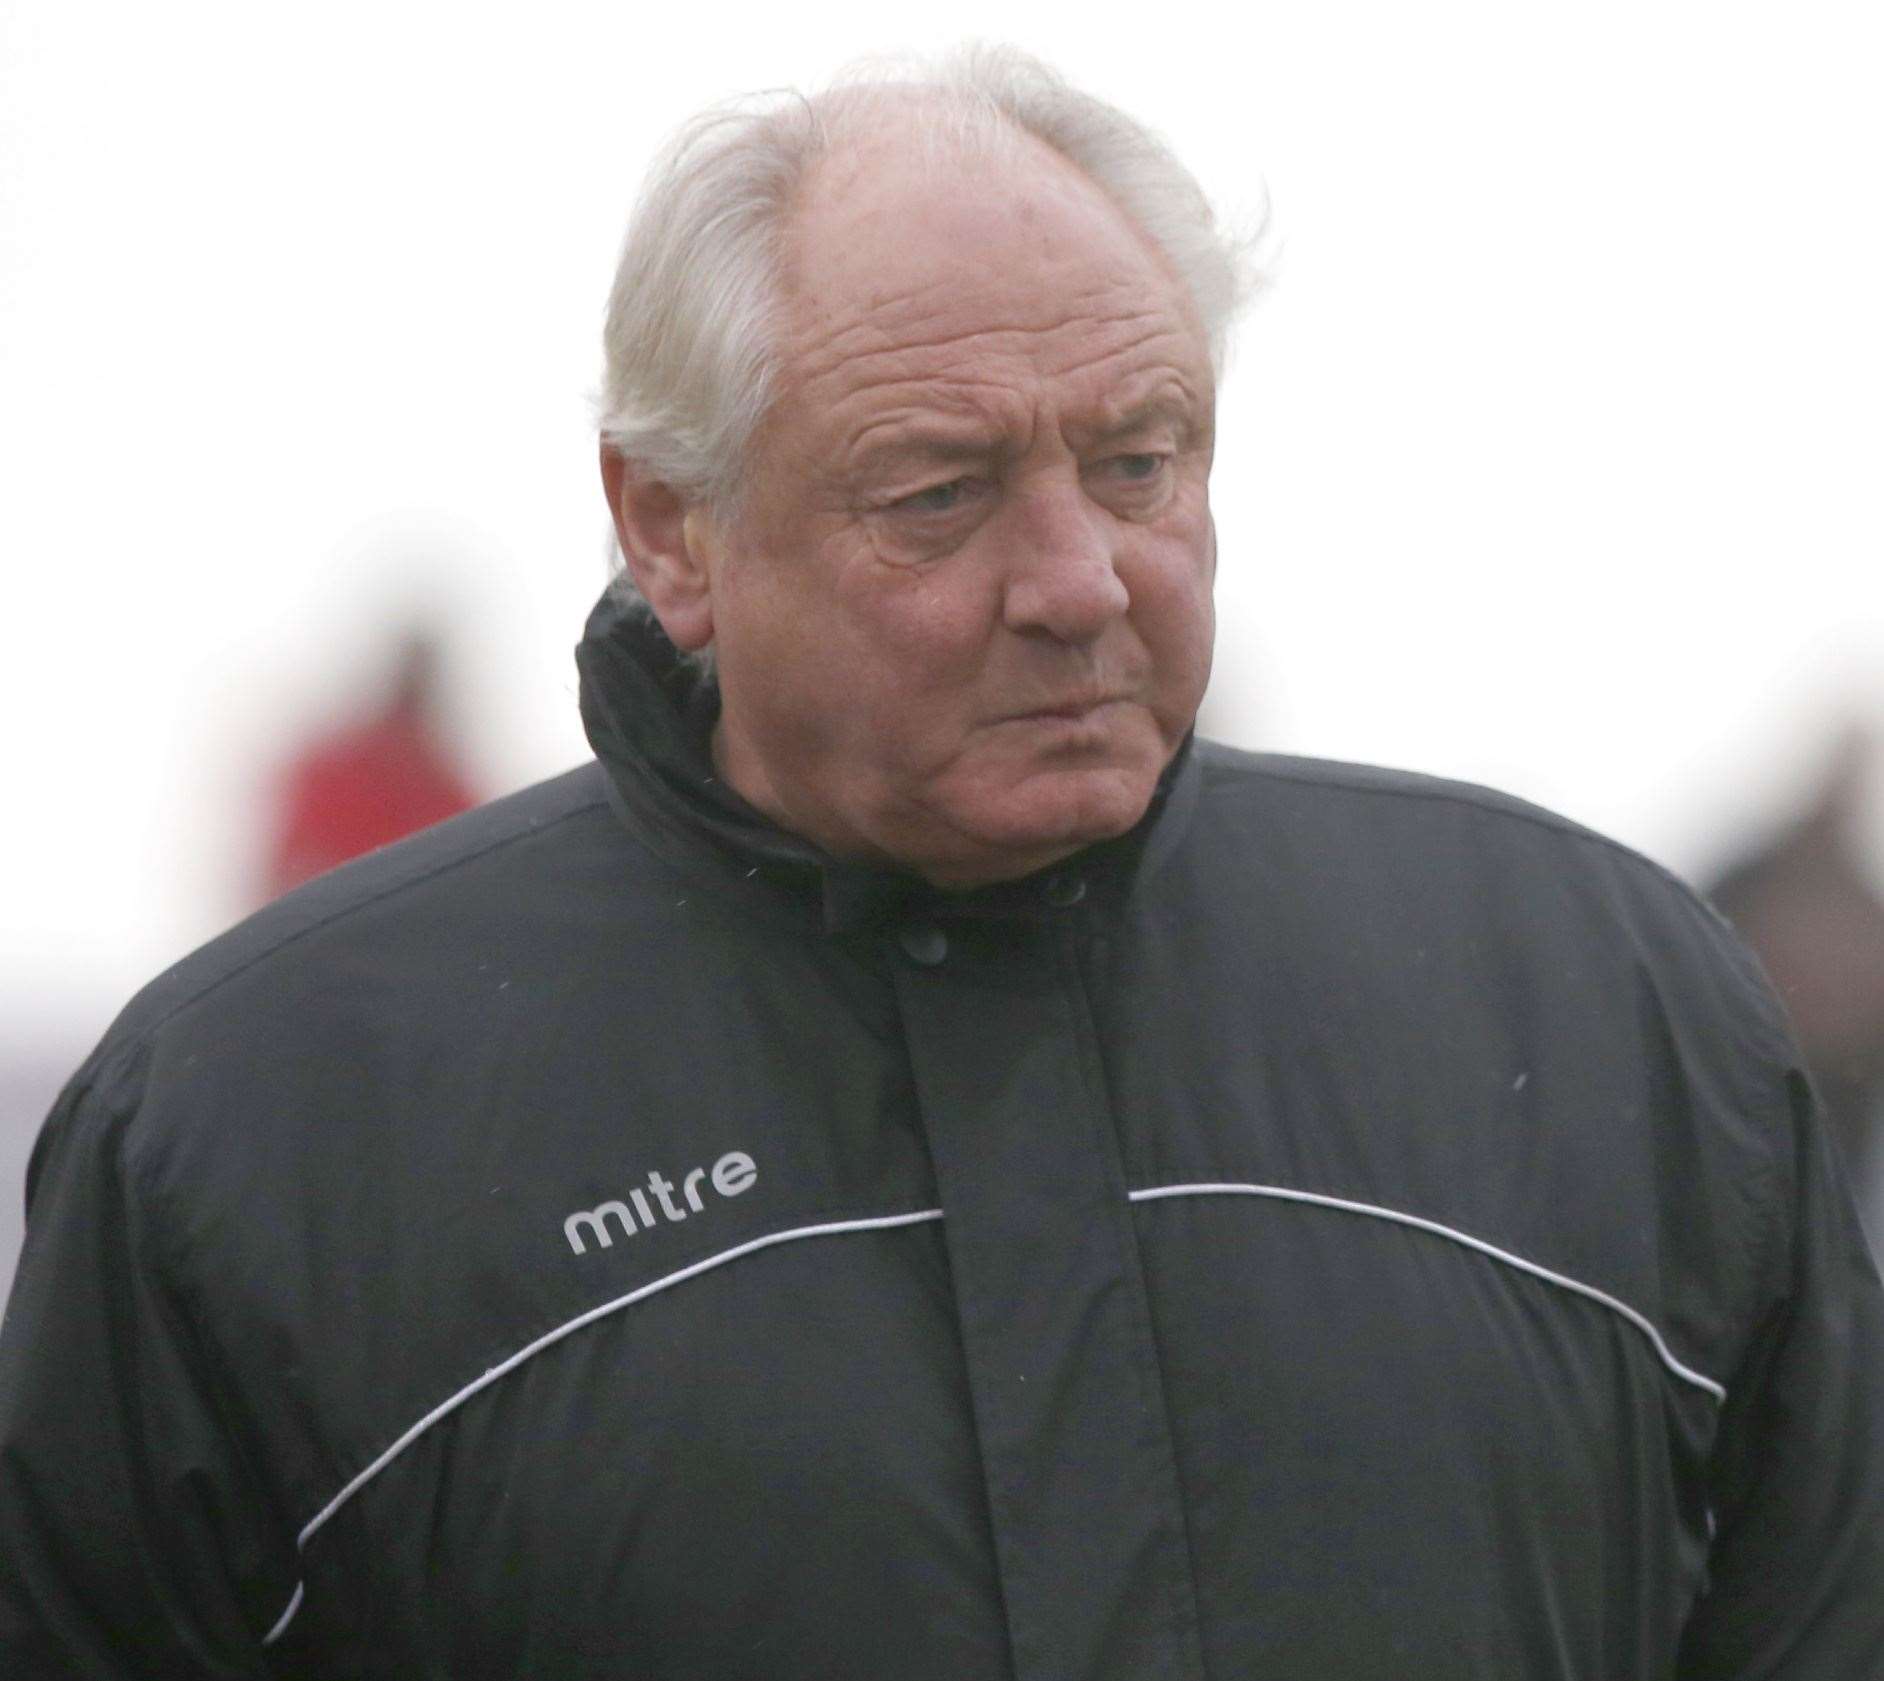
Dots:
pixel 1057 812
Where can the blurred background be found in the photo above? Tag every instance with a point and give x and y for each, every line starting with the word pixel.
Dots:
pixel 1551 460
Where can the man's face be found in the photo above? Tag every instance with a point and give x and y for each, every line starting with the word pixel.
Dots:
pixel 963 619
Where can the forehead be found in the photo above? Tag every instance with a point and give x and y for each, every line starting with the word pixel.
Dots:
pixel 983 286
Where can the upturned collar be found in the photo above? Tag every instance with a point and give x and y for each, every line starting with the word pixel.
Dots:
pixel 650 712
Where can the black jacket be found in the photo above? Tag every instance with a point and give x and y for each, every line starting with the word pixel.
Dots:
pixel 1354 1228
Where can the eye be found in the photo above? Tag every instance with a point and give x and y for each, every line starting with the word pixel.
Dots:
pixel 1137 468
pixel 942 498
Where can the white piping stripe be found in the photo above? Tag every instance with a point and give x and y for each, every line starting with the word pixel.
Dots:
pixel 1686 1373
pixel 282 1622
pixel 883 1222
pixel 877 1223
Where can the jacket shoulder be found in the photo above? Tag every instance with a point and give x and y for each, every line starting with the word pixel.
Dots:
pixel 402 879
pixel 1387 844
pixel 1368 800
pixel 1307 783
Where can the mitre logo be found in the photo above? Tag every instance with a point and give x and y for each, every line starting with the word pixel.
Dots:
pixel 732 1175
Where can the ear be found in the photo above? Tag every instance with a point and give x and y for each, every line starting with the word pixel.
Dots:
pixel 670 546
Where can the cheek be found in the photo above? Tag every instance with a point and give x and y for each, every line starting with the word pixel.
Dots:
pixel 1175 618
pixel 1172 601
pixel 922 630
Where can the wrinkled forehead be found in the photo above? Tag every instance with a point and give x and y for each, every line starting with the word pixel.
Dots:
pixel 909 266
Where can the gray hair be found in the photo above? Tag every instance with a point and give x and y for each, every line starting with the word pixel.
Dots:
pixel 695 305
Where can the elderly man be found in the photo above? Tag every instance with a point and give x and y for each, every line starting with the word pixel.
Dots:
pixel 910 1166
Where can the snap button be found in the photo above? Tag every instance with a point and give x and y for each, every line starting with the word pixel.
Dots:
pixel 923 942
pixel 1064 889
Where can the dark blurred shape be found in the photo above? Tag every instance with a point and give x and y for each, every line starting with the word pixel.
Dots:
pixel 1807 905
pixel 370 782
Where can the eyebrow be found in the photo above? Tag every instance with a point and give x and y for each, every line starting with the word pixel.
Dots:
pixel 923 444
pixel 926 440
pixel 1174 406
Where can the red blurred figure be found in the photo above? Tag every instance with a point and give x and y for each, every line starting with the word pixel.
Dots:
pixel 369 783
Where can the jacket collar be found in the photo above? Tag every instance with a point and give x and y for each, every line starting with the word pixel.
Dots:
pixel 649 713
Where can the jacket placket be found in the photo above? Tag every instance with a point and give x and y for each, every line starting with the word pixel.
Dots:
pixel 1069 1409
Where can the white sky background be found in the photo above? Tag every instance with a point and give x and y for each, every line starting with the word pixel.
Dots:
pixel 1552 460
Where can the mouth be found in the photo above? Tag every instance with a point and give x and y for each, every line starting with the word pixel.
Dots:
pixel 1067 711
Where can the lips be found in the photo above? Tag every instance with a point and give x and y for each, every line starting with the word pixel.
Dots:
pixel 1070 710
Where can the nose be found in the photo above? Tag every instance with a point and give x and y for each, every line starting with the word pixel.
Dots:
pixel 1063 579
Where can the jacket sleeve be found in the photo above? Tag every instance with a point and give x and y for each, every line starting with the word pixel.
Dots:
pixel 132 1539
pixel 1796 1571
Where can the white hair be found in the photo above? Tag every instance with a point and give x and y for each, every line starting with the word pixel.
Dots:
pixel 689 341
